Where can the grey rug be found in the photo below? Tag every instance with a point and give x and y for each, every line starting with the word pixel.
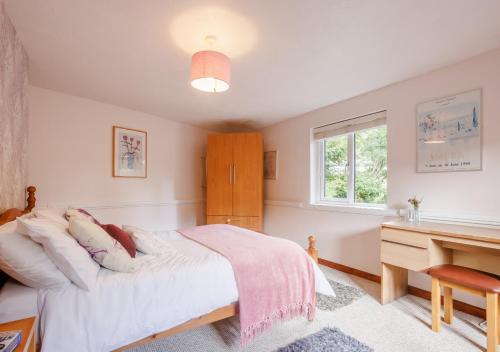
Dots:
pixel 327 340
pixel 344 295
pixel 225 335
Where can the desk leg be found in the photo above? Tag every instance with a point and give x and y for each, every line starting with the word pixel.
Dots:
pixel 394 283
pixel 492 321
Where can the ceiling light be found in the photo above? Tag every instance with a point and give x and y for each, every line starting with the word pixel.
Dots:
pixel 210 70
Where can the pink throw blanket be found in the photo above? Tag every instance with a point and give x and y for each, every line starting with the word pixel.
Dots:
pixel 274 276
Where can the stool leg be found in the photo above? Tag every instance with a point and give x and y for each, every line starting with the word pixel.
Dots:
pixel 448 305
pixel 492 321
pixel 436 305
pixel 498 341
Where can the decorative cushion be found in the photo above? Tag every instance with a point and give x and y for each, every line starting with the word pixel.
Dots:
pixel 122 237
pixel 63 249
pixel 26 261
pixel 80 214
pixel 145 241
pixel 103 248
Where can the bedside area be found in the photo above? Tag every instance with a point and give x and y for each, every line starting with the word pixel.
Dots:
pixel 28 327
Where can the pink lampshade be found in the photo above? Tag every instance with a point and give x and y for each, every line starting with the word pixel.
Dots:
pixel 210 71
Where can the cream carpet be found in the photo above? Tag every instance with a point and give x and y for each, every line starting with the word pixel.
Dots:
pixel 403 325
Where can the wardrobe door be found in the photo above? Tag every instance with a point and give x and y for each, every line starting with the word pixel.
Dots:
pixel 247 174
pixel 219 174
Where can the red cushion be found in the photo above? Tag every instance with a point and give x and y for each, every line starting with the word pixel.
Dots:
pixel 122 237
pixel 460 275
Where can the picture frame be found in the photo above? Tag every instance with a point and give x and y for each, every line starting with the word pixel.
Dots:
pixel 449 133
pixel 130 151
pixel 271 165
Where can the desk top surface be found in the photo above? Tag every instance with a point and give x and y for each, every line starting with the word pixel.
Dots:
pixel 450 230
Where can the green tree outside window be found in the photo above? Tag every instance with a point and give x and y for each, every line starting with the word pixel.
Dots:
pixel 368 169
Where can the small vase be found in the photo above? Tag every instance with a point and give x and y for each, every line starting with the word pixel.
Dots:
pixel 414 215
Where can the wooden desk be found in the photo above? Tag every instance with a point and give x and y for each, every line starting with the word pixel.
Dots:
pixel 405 246
pixel 28 326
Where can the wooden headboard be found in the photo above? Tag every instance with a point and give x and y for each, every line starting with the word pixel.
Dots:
pixel 13 213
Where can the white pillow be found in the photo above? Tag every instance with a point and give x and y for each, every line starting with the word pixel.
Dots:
pixel 103 248
pixel 145 241
pixel 65 252
pixel 26 261
pixel 55 215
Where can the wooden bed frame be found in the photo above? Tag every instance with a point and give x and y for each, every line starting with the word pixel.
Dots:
pixel 13 213
pixel 216 315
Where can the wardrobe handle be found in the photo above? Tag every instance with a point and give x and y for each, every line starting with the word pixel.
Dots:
pixel 234 174
pixel 230 175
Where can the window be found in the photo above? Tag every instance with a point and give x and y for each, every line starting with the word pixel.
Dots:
pixel 352 161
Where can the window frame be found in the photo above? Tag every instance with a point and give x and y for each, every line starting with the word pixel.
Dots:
pixel 350 200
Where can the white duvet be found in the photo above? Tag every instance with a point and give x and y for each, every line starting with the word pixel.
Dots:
pixel 187 280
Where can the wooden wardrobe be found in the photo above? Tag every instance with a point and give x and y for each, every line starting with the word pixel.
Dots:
pixel 235 179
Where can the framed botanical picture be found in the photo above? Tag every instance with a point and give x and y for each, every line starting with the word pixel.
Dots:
pixel 130 152
pixel 449 133
pixel 271 165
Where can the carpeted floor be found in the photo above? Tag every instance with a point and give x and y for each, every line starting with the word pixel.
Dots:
pixel 403 325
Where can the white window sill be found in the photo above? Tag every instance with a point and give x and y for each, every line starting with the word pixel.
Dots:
pixel 341 208
pixel 380 210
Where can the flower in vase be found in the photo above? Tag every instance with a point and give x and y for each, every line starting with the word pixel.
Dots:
pixel 414 202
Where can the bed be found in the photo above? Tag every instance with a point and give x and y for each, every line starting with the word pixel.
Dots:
pixel 186 286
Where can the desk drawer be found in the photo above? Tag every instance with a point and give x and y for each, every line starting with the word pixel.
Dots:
pixel 405 237
pixel 404 256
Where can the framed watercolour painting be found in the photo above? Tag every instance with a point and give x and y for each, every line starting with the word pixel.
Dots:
pixel 449 133
pixel 130 151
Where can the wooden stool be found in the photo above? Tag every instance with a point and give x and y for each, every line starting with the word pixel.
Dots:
pixel 471 281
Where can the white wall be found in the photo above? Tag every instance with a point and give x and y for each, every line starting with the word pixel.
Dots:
pixel 353 239
pixel 70 162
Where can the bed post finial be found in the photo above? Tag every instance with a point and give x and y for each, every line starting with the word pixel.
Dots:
pixel 312 250
pixel 31 199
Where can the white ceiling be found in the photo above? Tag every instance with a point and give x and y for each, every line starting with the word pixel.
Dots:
pixel 288 56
